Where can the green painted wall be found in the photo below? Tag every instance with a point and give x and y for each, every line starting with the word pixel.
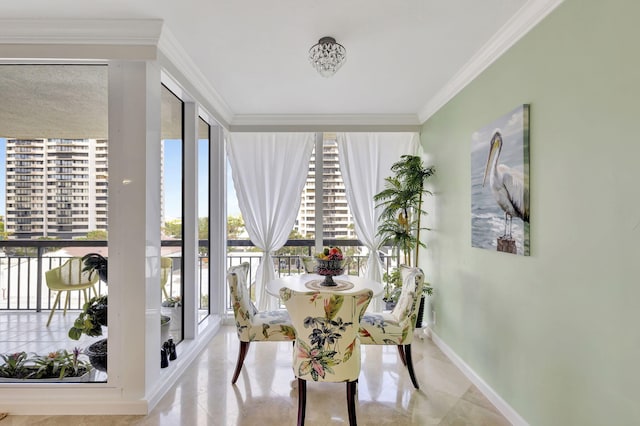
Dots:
pixel 556 334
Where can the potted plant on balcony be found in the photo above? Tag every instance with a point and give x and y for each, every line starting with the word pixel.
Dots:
pixel 90 322
pixel 95 262
pixel 60 365
pixel 400 224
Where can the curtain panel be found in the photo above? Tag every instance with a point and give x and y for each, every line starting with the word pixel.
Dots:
pixel 365 162
pixel 269 172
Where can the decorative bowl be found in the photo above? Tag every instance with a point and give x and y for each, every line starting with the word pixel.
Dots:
pixel 329 269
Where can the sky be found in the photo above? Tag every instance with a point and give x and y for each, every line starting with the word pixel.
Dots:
pixel 173 181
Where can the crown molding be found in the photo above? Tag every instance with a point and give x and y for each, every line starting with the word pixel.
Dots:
pixel 81 31
pixel 325 122
pixel 177 56
pixel 520 24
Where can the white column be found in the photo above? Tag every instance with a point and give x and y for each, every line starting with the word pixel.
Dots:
pixel 134 226
pixel 217 221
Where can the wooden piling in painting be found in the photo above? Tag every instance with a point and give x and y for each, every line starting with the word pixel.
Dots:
pixel 506 244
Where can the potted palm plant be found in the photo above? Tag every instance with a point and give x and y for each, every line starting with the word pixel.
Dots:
pixel 400 224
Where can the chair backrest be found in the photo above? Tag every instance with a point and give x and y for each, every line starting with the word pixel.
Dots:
pixel 243 308
pixel 407 306
pixel 309 263
pixel 327 347
pixel 70 273
pixel 165 269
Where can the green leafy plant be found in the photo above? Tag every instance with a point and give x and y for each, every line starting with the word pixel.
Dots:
pixel 401 200
pixel 393 283
pixel 172 302
pixel 58 364
pixel 393 286
pixel 14 365
pixel 61 363
pixel 92 318
pixel 95 262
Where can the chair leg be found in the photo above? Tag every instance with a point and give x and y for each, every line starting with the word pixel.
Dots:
pixel 351 401
pixel 412 374
pixel 53 308
pixel 84 292
pixel 67 304
pixel 402 357
pixel 302 400
pixel 242 353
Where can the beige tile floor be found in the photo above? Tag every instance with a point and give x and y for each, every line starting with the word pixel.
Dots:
pixel 263 394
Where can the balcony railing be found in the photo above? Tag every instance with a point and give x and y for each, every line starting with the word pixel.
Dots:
pixel 24 263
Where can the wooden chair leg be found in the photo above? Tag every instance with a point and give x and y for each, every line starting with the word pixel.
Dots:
pixel 412 374
pixel 53 307
pixel 402 357
pixel 351 401
pixel 242 353
pixel 302 400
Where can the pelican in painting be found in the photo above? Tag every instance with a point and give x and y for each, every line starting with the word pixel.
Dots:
pixel 507 186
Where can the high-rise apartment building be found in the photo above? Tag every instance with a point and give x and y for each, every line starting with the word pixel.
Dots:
pixel 56 187
pixel 337 220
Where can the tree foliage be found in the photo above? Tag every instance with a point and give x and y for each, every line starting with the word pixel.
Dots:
pixel 235 227
pixel 97 234
pixel 173 228
pixel 203 228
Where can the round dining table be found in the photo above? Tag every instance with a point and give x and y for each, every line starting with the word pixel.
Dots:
pixel 312 282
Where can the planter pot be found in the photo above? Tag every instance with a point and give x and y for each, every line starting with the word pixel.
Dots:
pixel 175 327
pixel 97 353
pixel 165 324
pixel 76 379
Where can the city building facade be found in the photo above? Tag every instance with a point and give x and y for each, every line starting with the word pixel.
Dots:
pixel 55 188
pixel 337 219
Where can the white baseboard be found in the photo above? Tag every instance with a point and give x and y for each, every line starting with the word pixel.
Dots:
pixel 505 409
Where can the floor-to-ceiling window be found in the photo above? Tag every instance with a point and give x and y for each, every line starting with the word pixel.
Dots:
pixel 323 216
pixel 204 142
pixel 172 214
pixel 54 210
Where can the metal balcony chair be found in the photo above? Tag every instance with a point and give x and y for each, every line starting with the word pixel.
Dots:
pixel 396 327
pixel 165 272
pixel 309 263
pixel 253 325
pixel 327 348
pixel 70 277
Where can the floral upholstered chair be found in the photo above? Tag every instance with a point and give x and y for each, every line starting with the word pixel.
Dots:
pixel 252 325
pixel 327 347
pixel 396 327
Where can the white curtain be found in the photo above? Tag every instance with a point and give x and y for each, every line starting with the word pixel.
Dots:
pixel 269 171
pixel 365 161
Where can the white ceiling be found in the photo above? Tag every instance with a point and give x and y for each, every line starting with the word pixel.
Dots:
pixel 403 56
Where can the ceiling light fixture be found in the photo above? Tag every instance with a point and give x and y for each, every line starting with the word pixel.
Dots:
pixel 327 56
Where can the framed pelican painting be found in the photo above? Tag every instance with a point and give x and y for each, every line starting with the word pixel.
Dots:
pixel 500 184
